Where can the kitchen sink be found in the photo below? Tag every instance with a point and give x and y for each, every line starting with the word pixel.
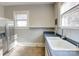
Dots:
pixel 59 47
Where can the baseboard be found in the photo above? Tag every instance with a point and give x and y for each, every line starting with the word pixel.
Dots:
pixel 32 44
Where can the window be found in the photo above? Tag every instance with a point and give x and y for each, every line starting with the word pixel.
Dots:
pixel 21 18
pixel 21 23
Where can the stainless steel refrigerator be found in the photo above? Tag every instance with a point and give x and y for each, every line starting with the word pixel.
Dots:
pixel 8 40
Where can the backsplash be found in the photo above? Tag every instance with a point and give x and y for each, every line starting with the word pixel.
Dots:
pixel 70 33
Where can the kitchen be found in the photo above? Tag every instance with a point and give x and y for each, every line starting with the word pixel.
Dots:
pixel 39 28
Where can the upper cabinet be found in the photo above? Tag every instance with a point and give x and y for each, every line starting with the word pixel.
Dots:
pixel 67 6
pixel 69 15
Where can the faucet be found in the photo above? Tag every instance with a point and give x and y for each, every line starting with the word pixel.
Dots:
pixel 77 45
pixel 62 34
pixel 55 30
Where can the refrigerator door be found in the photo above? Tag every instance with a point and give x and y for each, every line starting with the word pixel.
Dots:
pixel 2 35
pixel 8 41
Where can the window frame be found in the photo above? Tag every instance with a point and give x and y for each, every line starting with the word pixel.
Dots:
pixel 15 21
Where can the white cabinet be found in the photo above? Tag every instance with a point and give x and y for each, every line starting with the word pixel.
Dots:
pixel 70 16
pixel 46 52
pixel 67 5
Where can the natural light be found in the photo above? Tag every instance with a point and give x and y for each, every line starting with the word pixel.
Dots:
pixel 21 19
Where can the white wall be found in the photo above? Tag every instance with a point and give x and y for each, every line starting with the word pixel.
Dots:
pixel 39 15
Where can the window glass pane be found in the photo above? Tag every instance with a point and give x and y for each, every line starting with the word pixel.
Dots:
pixel 21 23
pixel 21 16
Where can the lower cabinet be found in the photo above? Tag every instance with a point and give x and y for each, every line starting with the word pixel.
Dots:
pixel 46 52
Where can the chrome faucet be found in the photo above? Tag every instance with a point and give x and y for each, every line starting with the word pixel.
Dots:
pixel 55 30
pixel 62 34
pixel 77 45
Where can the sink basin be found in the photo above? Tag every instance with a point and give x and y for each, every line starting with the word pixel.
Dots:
pixel 57 43
pixel 58 47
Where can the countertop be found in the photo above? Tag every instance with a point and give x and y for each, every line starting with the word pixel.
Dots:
pixel 51 34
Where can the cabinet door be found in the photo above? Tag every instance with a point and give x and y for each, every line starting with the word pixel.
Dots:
pixel 74 17
pixel 67 5
pixel 46 52
pixel 64 20
pixel 71 18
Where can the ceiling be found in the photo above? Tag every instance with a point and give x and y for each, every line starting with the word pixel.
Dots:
pixel 23 3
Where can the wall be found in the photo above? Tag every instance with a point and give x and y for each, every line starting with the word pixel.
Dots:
pixel 39 15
